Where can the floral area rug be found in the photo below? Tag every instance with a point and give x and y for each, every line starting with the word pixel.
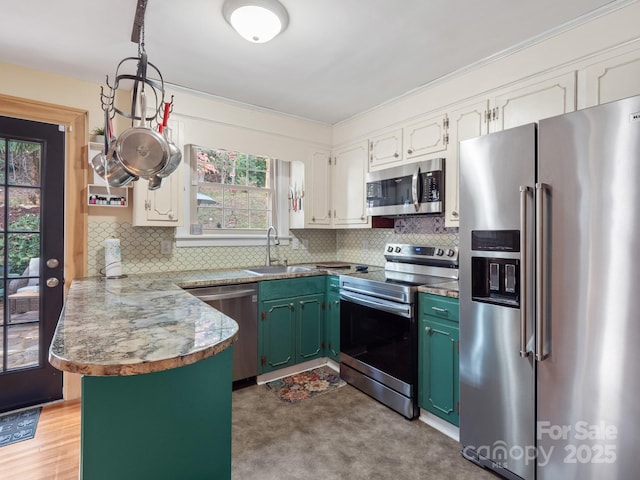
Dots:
pixel 15 427
pixel 298 387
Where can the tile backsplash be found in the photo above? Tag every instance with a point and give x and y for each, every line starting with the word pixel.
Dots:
pixel 141 246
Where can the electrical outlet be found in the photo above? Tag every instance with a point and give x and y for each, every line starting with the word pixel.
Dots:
pixel 365 245
pixel 295 243
pixel 165 247
pixel 305 244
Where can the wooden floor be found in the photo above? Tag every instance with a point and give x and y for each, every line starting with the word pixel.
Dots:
pixel 54 452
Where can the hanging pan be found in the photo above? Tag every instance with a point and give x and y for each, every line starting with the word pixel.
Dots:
pixel 142 151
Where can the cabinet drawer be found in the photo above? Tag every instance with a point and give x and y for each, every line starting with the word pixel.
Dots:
pixel 440 307
pixel 291 287
pixel 333 284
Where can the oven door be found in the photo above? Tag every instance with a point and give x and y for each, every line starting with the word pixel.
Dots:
pixel 378 350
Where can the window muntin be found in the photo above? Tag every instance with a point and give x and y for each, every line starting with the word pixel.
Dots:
pixel 234 190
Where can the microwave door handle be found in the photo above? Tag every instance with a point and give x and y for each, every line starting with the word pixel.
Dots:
pixel 414 188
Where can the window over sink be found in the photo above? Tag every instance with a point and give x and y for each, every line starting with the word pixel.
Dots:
pixel 233 197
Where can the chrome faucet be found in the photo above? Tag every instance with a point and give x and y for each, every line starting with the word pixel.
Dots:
pixel 268 260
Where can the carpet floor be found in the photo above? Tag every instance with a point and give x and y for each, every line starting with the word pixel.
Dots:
pixel 343 434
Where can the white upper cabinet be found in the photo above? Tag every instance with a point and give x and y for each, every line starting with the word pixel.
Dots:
pixel 613 79
pixel 533 101
pixel 465 122
pixel 426 137
pixel 335 188
pixel 385 150
pixel 349 172
pixel 317 196
pixel 161 207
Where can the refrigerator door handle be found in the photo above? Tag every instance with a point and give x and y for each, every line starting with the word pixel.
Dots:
pixel 524 255
pixel 540 264
pixel 414 188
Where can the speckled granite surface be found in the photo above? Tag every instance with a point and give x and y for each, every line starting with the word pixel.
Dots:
pixel 131 326
pixel 447 289
pixel 145 323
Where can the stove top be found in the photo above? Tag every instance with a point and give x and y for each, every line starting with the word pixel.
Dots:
pixel 407 268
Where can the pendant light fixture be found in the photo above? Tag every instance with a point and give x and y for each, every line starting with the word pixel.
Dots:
pixel 257 21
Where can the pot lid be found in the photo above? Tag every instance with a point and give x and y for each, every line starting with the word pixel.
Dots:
pixel 142 151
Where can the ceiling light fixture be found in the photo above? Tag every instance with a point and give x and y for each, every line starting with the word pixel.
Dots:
pixel 258 21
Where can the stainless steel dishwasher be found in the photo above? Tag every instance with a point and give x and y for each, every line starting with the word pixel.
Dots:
pixel 239 302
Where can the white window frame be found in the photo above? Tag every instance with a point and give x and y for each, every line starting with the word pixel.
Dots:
pixel 229 237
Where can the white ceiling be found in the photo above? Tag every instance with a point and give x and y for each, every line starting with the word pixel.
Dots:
pixel 337 58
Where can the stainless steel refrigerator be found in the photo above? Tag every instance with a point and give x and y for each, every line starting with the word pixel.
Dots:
pixel 550 296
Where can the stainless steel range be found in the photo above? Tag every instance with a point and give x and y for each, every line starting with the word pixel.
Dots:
pixel 379 324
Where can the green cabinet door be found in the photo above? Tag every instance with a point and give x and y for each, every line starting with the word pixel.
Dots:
pixel 291 327
pixel 276 335
pixel 332 319
pixel 309 323
pixel 440 370
pixel 438 386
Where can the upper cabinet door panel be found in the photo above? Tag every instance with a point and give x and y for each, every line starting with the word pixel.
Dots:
pixel 385 150
pixel 465 122
pixel 426 136
pixel 534 102
pixel 613 79
pixel 349 173
pixel 317 201
pixel 161 207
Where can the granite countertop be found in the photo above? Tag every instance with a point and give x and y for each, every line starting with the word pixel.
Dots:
pixel 446 289
pixel 146 323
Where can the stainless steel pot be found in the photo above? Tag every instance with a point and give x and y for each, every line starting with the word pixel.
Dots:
pixel 142 151
pixel 174 159
pixel 109 168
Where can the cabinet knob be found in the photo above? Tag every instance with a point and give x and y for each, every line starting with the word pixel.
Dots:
pixel 428 330
pixel 291 306
pixel 396 154
pixel 409 151
pixel 454 214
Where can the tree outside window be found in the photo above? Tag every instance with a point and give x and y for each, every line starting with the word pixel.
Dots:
pixel 233 191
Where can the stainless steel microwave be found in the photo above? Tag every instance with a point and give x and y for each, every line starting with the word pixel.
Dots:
pixel 410 189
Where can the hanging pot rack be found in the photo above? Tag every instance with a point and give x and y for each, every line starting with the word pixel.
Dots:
pixel 136 153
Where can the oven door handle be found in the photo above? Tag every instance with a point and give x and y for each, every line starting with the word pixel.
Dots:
pixel 400 309
pixel 368 293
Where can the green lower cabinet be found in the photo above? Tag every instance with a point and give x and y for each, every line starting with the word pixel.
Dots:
pixel 438 386
pixel 310 323
pixel 277 330
pixel 291 328
pixel 332 319
pixel 163 425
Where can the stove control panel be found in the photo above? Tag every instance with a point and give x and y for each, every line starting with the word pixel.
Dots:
pixel 421 254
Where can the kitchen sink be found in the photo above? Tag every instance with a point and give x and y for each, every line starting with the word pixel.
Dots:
pixel 276 269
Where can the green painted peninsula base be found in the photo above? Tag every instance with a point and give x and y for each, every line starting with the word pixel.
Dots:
pixel 163 425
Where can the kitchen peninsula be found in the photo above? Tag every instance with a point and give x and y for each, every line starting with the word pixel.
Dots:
pixel 156 385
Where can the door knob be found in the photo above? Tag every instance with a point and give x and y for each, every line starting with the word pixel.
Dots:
pixel 53 263
pixel 52 282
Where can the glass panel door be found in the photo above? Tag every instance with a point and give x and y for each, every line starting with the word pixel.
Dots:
pixel 29 231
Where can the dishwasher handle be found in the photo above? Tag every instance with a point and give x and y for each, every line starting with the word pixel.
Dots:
pixel 225 296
